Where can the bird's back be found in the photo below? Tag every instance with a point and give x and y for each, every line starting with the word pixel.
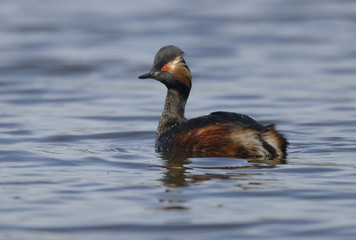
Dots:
pixel 223 134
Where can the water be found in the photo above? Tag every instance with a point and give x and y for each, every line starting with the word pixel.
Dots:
pixel 77 127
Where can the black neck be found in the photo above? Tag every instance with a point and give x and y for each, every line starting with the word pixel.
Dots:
pixel 173 111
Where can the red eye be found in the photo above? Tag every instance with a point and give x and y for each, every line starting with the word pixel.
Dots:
pixel 165 68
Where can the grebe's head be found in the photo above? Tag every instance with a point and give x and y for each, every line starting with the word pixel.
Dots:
pixel 170 68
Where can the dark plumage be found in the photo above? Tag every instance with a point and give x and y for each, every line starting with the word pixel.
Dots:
pixel 218 134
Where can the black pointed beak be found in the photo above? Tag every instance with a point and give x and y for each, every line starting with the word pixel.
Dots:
pixel 148 75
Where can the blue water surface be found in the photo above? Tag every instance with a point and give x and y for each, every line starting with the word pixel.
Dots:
pixel 77 127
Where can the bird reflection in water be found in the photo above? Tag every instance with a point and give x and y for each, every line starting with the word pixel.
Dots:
pixel 178 174
pixel 180 168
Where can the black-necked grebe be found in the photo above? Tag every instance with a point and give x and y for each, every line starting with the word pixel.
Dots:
pixel 218 134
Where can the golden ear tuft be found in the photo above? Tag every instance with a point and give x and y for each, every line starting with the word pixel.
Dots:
pixel 179 69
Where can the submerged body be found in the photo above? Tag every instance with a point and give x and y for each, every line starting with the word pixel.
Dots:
pixel 218 134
